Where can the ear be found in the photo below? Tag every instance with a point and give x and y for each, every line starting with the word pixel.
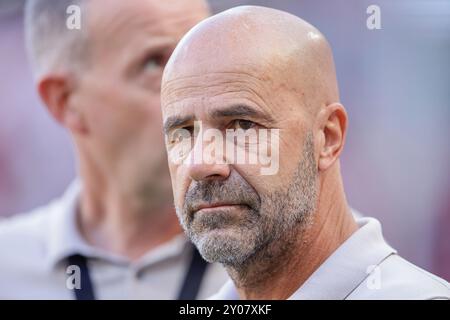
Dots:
pixel 57 92
pixel 332 131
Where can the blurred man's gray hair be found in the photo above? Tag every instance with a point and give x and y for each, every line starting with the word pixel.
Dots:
pixel 51 44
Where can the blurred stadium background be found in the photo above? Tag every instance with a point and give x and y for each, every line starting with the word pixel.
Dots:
pixel 394 83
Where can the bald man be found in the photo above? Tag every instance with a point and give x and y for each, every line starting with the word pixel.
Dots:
pixel 114 234
pixel 281 225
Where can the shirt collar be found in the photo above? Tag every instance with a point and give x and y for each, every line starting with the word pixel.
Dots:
pixel 64 238
pixel 343 271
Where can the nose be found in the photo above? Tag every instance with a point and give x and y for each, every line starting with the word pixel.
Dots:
pixel 203 166
pixel 203 171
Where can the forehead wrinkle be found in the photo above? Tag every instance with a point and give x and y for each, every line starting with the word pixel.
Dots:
pixel 215 84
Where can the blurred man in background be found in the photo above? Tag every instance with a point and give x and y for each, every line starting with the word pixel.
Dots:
pixel 114 233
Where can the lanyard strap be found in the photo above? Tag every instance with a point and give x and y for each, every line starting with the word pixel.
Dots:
pixel 194 276
pixel 86 291
pixel 189 289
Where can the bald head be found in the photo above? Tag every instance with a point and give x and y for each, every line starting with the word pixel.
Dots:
pixel 271 45
pixel 254 72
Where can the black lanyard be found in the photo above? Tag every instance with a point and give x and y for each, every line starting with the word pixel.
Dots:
pixel 194 276
pixel 86 291
pixel 189 290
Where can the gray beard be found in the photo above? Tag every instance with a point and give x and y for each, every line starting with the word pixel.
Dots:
pixel 266 235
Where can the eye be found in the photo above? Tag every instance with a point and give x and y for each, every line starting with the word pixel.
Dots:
pixel 154 62
pixel 181 134
pixel 244 124
pixel 151 65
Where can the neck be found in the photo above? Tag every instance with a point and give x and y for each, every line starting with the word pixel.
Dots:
pixel 302 252
pixel 122 222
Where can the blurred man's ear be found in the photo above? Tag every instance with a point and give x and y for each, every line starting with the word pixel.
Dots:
pixel 57 91
pixel 332 130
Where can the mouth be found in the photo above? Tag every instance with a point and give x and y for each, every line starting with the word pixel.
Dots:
pixel 211 207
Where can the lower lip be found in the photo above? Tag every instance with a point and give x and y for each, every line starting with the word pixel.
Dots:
pixel 221 208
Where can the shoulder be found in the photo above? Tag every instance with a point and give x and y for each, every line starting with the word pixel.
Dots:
pixel 24 255
pixel 23 251
pixel 25 237
pixel 24 232
pixel 397 278
pixel 25 224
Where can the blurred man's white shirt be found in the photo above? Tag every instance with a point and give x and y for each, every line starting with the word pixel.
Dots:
pixel 363 267
pixel 34 248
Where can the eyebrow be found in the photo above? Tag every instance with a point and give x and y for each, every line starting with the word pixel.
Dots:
pixel 241 110
pixel 158 43
pixel 176 121
pixel 161 47
pixel 231 111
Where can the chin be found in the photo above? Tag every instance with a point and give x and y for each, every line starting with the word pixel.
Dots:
pixel 225 246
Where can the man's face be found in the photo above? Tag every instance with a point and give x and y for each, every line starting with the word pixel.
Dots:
pixel 230 209
pixel 130 42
